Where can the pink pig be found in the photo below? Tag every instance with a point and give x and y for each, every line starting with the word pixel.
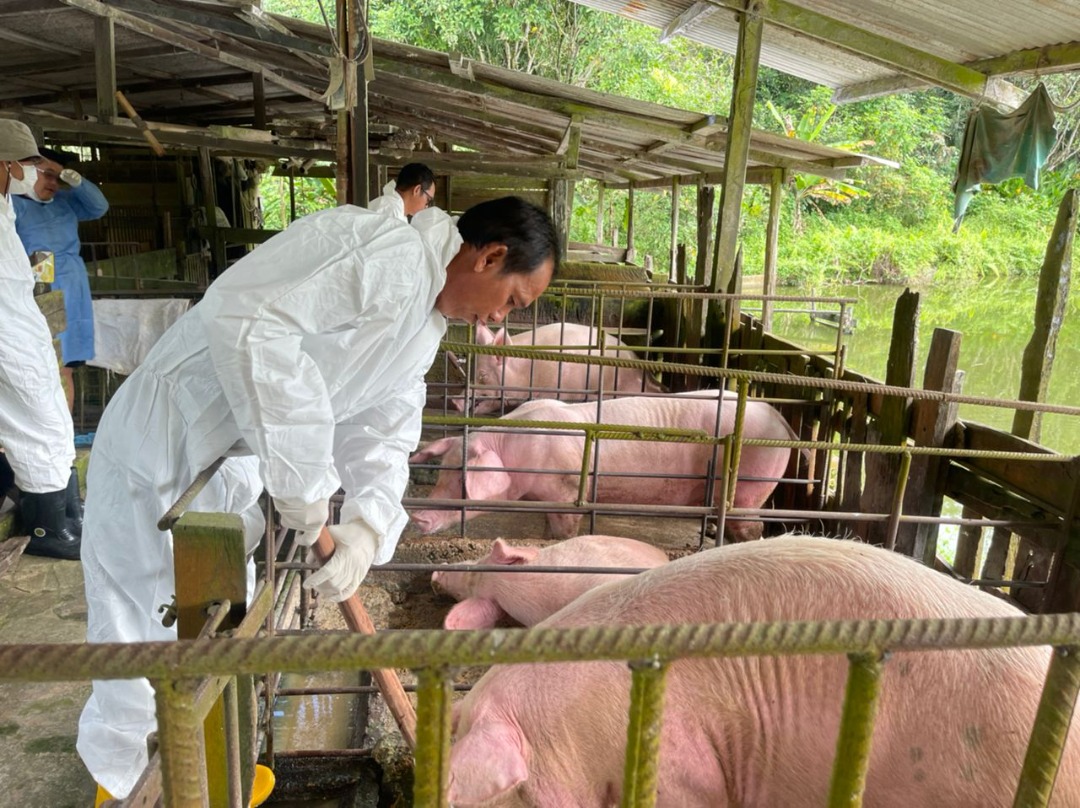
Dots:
pixel 679 467
pixel 761 732
pixel 512 379
pixel 487 597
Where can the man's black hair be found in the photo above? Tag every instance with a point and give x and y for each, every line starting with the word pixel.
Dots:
pixel 412 175
pixel 524 228
pixel 63 158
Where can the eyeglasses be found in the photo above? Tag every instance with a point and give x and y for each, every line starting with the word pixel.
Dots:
pixel 429 197
pixel 49 174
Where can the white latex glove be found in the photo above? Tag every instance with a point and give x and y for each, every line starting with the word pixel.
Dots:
pixel 71 177
pixel 355 545
pixel 306 517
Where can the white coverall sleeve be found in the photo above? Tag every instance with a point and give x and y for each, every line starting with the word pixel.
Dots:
pixel 372 450
pixel 317 279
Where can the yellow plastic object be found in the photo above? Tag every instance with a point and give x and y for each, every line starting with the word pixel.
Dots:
pixel 261 789
pixel 43 263
pixel 102 796
pixel 263 786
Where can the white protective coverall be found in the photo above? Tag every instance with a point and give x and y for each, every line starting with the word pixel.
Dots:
pixel 390 203
pixel 35 425
pixel 311 351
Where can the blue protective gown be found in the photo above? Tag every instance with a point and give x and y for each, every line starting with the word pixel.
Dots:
pixel 54 226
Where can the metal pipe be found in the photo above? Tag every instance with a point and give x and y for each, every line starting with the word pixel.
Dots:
pixel 856 729
pixel 647 686
pixel 1051 729
pixel 432 738
pixel 172 516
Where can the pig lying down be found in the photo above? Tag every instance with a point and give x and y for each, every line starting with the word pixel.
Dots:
pixel 510 379
pixel 488 597
pixel 761 732
pixel 680 468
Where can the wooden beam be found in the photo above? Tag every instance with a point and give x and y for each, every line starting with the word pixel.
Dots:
pixel 1048 59
pixel 572 129
pixel 105 68
pixel 164 35
pixel 227 25
pixel 475 163
pixel 696 13
pixel 873 47
pixel 15 8
pixel 169 135
pixel 736 155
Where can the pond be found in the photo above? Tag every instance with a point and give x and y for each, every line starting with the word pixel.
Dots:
pixel 995 318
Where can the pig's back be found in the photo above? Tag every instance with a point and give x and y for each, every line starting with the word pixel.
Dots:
pixel 951 723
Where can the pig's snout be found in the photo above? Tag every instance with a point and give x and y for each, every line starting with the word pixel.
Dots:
pixel 436 584
pixel 431 521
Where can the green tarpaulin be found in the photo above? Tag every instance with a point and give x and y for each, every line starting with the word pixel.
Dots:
pixel 997 147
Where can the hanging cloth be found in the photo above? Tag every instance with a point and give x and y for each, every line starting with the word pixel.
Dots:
pixel 999 146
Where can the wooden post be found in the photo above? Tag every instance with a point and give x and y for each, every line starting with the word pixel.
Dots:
pixel 1038 359
pixel 210 565
pixel 891 425
pixel 772 242
pixel 258 92
pixel 560 214
pixel 599 212
pixel 737 150
pixel 1050 305
pixel 931 423
pixel 206 178
pixel 706 199
pixel 630 255
pixel 358 116
pixel 105 68
pixel 680 264
pixel 672 271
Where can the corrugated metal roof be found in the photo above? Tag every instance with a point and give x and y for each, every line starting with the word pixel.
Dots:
pixel 959 31
pixel 500 113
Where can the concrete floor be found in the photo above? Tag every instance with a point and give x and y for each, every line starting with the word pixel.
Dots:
pixel 41 600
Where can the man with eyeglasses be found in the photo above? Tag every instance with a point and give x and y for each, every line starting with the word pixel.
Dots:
pixel 47 218
pixel 412 192
pixel 35 424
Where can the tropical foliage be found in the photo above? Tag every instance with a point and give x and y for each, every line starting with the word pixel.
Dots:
pixel 877 224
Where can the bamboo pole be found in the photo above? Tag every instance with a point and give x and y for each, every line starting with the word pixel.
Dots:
pixel 358 620
pixel 140 124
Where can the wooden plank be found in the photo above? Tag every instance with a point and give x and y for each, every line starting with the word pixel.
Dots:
pixel 932 421
pixel 105 68
pixel 891 426
pixel 991 501
pixel 696 13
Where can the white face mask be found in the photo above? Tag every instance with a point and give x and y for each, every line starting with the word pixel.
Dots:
pixel 26 184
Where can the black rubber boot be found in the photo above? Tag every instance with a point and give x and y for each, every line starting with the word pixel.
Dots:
pixel 73 506
pixel 7 476
pixel 44 517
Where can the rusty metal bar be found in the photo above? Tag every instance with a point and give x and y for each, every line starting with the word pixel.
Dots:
pixel 180 744
pixel 59 662
pixel 174 513
pixel 434 692
pixel 734 453
pixel 1050 730
pixel 856 729
pixel 647 687
pixel 586 460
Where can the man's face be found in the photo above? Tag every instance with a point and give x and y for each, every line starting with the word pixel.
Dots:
pixel 417 198
pixel 477 289
pixel 48 182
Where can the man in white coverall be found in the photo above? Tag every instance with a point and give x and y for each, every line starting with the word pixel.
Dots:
pixel 310 355
pixel 35 424
pixel 410 193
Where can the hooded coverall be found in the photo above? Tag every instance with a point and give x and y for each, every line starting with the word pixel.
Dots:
pixel 390 203
pixel 35 425
pixel 309 353
pixel 54 226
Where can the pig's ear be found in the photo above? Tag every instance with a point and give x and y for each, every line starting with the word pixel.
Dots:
pixel 487 484
pixel 484 335
pixel 486 763
pixel 500 338
pixel 503 553
pixel 434 449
